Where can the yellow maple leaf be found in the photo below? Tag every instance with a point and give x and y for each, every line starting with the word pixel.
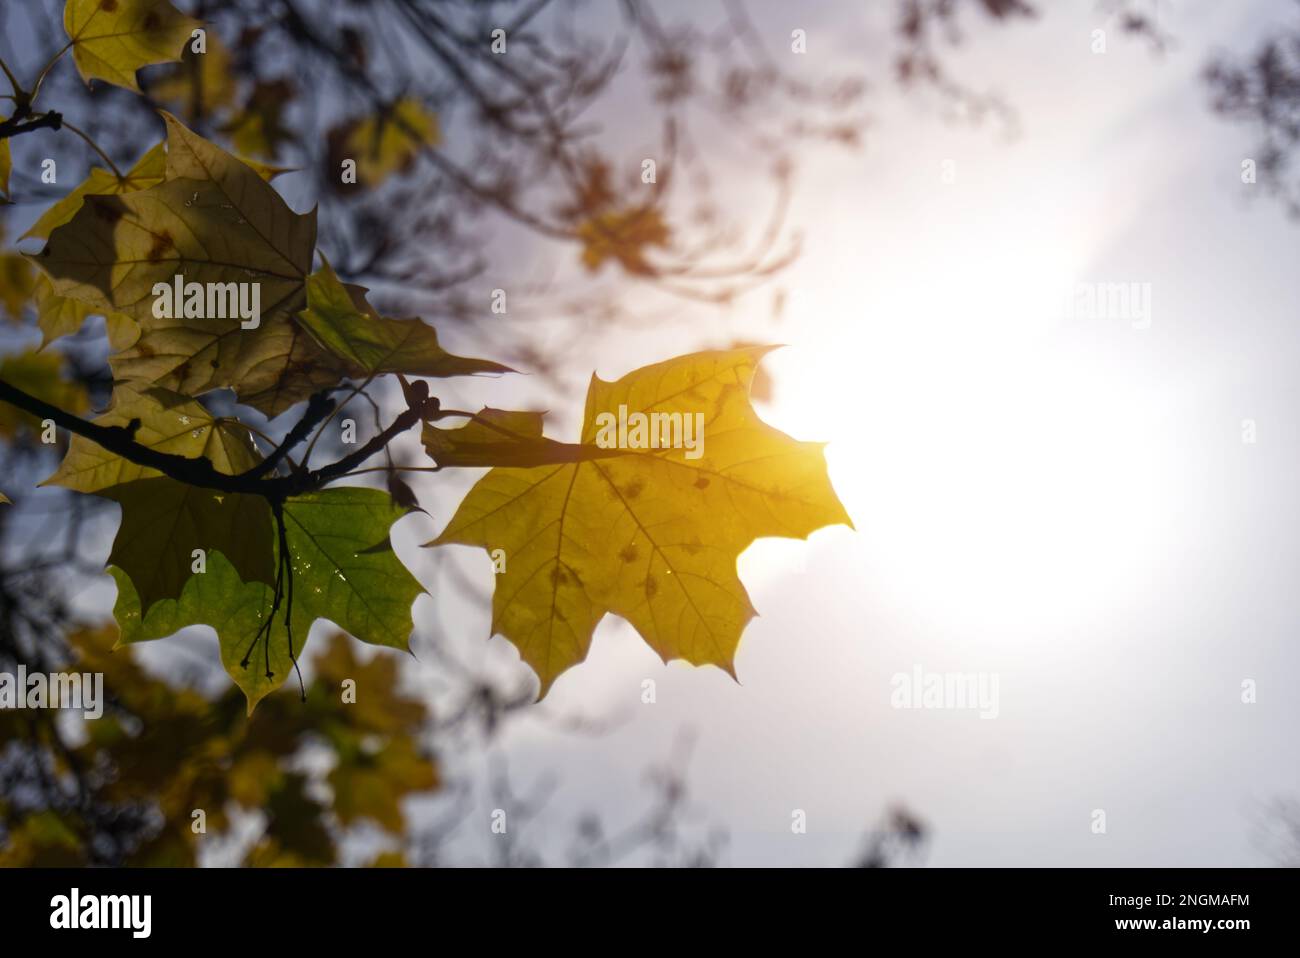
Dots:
pixel 148 171
pixel 203 83
pixel 648 534
pixel 388 142
pixel 622 235
pixel 111 39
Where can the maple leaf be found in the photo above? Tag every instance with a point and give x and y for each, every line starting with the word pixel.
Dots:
pixel 259 128
pixel 111 39
pixel 163 520
pixel 622 235
pixel 342 323
pixel 213 219
pixel 168 422
pixel 651 535
pixel 16 284
pixel 387 142
pixel 58 316
pixel 148 171
pixel 338 575
pixel 6 165
pixel 201 85
pixel 495 437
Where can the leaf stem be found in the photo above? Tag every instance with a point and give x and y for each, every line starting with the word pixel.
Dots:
pixel 36 89
pixel 13 82
pixel 95 146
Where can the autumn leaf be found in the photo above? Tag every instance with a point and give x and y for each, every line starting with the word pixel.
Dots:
pixel 370 344
pixel 148 171
pixel 6 165
pixel 163 520
pixel 17 283
pixel 372 784
pixel 111 39
pixel 56 315
pixel 212 220
pixel 651 535
pixel 495 437
pixel 259 129
pixel 337 576
pixel 202 84
pixel 388 142
pixel 168 422
pixel 622 235
pixel 59 316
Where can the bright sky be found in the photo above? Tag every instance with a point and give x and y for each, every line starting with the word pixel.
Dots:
pixel 1064 501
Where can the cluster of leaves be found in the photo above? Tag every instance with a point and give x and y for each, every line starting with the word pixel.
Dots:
pixel 161 752
pixel 649 535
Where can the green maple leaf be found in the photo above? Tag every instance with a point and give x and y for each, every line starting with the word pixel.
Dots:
pixel 338 575
pixel 342 323
pixel 164 521
pixel 650 535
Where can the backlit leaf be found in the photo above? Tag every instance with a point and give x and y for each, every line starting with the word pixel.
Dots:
pixel 367 594
pixel 651 535
pixel 169 422
pixel 164 521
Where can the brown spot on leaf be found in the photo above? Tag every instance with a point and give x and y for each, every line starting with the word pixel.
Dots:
pixel 702 482
pixel 105 209
pixel 151 21
pixel 634 488
pixel 162 243
pixel 628 553
pixel 108 6
pixel 651 586
pixel 693 547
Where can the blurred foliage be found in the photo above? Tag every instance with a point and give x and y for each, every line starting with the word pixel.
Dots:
pixel 161 751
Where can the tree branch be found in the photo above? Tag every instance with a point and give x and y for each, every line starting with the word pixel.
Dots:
pixel 15 126
pixel 200 472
